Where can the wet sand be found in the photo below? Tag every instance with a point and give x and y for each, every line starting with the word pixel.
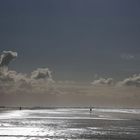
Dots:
pixel 70 123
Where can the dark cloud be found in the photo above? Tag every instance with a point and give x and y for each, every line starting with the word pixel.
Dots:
pixel 41 73
pixel 6 57
pixel 131 81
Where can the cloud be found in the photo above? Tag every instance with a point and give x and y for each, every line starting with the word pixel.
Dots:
pixel 41 73
pixel 127 56
pixel 39 81
pixel 11 76
pixel 38 88
pixel 103 81
pixel 6 57
pixel 131 81
pixel 11 81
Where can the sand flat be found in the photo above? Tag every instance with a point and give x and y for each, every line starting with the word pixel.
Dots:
pixel 70 123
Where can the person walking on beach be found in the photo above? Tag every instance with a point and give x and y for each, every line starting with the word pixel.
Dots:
pixel 90 109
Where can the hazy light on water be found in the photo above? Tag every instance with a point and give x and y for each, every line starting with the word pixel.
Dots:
pixel 68 123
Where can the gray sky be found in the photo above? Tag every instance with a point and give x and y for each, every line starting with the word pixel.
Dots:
pixel 91 47
pixel 76 39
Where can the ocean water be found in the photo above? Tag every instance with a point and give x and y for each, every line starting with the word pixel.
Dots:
pixel 69 124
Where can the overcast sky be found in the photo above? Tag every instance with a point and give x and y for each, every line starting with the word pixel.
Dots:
pixel 76 39
pixel 92 48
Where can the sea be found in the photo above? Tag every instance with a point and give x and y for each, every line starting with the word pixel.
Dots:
pixel 70 124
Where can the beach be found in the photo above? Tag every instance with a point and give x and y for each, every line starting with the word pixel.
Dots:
pixel 69 124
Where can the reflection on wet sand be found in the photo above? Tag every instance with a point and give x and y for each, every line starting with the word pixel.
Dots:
pixel 69 123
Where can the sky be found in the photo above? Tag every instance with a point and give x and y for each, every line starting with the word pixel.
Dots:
pixel 76 39
pixel 85 41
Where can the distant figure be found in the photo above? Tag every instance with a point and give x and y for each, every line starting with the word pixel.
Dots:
pixel 20 108
pixel 90 109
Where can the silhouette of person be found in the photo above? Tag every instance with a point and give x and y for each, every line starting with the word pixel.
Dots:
pixel 90 109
